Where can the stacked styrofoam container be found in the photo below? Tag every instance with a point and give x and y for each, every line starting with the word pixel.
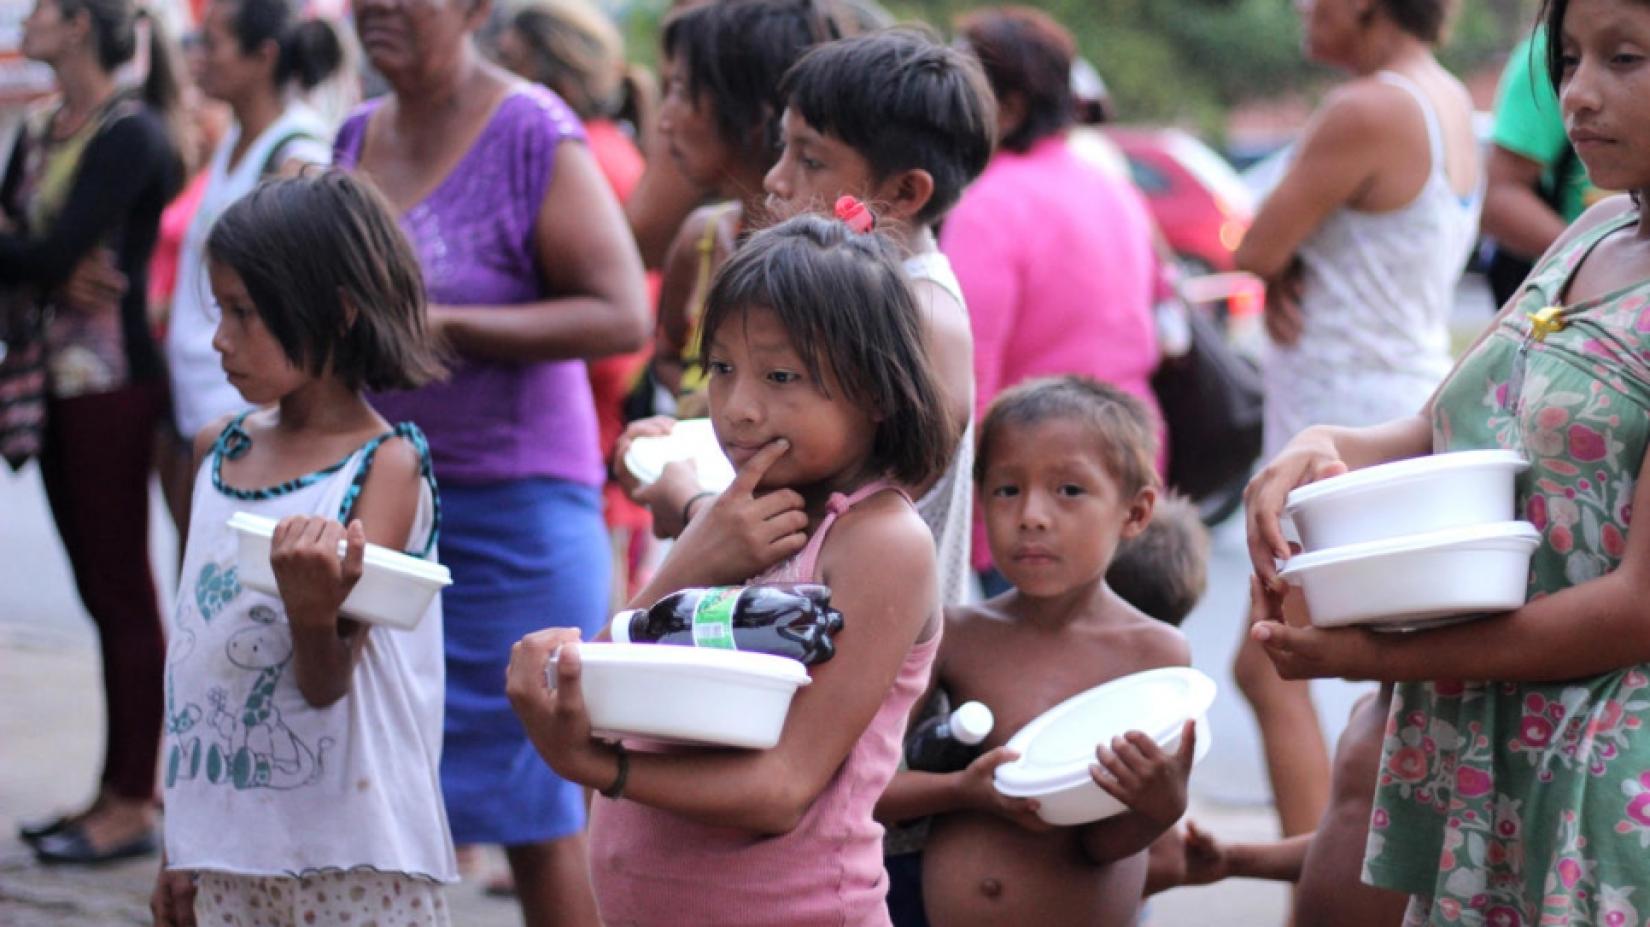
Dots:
pixel 1413 544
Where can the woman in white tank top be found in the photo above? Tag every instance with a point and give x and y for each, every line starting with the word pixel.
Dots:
pixel 1361 246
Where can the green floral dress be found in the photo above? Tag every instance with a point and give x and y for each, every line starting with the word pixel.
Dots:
pixel 1521 804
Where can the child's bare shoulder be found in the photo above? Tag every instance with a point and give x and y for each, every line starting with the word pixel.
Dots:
pixel 886 524
pixel 884 542
pixel 1148 643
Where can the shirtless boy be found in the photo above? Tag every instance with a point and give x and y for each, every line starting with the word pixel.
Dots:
pixel 1064 473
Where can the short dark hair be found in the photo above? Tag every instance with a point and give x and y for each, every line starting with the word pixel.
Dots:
pixel 1124 432
pixel 1164 570
pixel 308 50
pixel 902 100
pixel 843 299
pixel 736 51
pixel 1423 19
pixel 305 246
pixel 1025 51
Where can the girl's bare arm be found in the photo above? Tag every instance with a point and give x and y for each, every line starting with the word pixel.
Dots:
pixel 326 645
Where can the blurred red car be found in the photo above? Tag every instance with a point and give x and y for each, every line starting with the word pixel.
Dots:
pixel 1199 201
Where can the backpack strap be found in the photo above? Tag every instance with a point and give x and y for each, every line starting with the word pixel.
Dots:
pixel 273 161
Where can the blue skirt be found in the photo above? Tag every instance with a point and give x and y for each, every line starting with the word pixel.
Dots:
pixel 524 555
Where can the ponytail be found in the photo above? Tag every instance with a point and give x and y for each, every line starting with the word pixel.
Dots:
pixel 307 51
pixel 311 52
pixel 161 87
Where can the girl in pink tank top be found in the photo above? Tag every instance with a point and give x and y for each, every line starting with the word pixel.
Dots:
pixel 823 398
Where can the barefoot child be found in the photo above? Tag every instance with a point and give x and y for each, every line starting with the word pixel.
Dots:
pixel 1065 472
pixel 821 394
pixel 301 747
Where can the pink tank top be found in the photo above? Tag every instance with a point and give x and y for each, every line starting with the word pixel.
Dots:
pixel 652 867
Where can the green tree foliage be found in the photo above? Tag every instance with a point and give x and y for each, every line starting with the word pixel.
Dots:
pixel 1186 61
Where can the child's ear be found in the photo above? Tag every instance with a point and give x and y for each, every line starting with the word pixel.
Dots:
pixel 905 194
pixel 1140 512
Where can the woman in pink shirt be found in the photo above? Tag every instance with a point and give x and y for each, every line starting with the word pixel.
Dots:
pixel 1055 256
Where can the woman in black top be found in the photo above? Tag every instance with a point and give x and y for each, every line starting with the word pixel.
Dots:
pixel 93 171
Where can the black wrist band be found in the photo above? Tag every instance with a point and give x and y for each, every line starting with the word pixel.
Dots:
pixel 616 790
pixel 687 507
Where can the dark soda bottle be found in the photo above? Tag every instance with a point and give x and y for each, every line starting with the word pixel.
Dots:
pixel 949 742
pixel 790 620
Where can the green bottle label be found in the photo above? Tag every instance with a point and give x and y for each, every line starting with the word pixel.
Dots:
pixel 713 617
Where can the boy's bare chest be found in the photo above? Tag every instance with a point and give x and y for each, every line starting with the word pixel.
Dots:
pixel 1019 679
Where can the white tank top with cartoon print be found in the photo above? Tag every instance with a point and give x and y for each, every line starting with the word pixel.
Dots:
pixel 258 781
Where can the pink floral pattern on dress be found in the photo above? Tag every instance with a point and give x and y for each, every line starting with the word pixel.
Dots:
pixel 1529 804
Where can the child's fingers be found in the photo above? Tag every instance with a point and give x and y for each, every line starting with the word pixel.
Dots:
pixel 993 758
pixel 1109 784
pixel 315 531
pixel 780 502
pixel 1131 750
pixel 794 521
pixel 787 546
pixel 1117 770
pixel 750 475
pixel 569 691
pixel 1187 754
pixel 355 551
pixel 1197 840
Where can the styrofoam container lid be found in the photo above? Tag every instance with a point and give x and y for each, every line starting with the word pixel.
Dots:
pixel 692 439
pixel 374 555
pixel 694 661
pixel 1400 471
pixel 1057 748
pixel 1515 534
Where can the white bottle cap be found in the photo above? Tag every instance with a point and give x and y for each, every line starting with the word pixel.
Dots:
pixel 619 630
pixel 971 722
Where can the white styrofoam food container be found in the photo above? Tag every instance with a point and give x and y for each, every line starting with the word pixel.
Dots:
pixel 1420 580
pixel 689 695
pixel 691 439
pixel 1057 748
pixel 394 590
pixel 1415 496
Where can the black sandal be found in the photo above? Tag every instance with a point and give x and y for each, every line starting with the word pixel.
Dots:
pixel 32 834
pixel 71 845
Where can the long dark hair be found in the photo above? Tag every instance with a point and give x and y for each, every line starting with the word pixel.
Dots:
pixel 333 278
pixel 736 51
pixel 115 28
pixel 843 300
pixel 308 50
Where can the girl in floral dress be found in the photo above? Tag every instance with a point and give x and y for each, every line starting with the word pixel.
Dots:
pixel 1515 776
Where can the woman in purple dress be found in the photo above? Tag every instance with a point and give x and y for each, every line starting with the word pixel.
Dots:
pixel 530 271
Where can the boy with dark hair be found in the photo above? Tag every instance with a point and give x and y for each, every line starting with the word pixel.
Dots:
pixel 1065 473
pixel 903 123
